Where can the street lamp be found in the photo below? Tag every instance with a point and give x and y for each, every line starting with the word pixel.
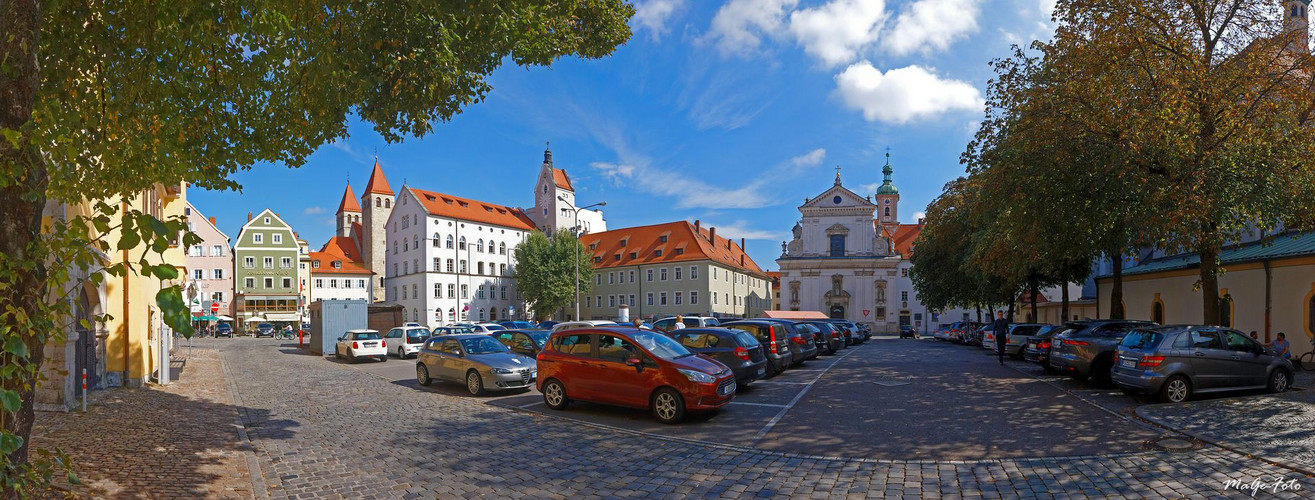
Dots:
pixel 575 231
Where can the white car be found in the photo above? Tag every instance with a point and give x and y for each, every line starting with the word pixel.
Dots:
pixel 487 328
pixel 666 324
pixel 405 341
pixel 571 325
pixel 356 344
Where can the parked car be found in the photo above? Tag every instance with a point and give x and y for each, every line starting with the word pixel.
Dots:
pixel 1087 350
pixel 1175 362
pixel 734 348
pixel 1019 334
pixel 475 359
pixel 834 336
pixel 405 341
pixel 523 342
pixel 820 338
pixel 667 324
pixel 265 330
pixel 802 348
pixel 1038 346
pixel 987 336
pixel 412 323
pixel 942 331
pixel 547 325
pixel 963 331
pixel 487 328
pixel 589 323
pixel 855 337
pixel 774 339
pixel 451 330
pixel 634 368
pixel 224 330
pixel 357 344
pixel 906 332
pixel 517 325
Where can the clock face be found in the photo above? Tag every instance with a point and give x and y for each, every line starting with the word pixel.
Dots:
pixel 887 202
pixel 836 200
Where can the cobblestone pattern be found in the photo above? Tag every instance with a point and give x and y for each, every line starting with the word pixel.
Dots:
pixel 176 441
pixel 323 430
pixel 1280 427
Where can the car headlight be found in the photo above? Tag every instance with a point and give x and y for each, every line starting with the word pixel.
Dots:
pixel 697 376
pixel 501 370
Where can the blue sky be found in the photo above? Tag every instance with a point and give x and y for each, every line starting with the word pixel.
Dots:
pixel 729 112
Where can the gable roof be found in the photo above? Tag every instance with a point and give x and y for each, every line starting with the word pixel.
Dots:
pixel 348 203
pixel 343 246
pixel 684 243
pixel 901 236
pixel 378 183
pixel 326 260
pixel 446 205
pixel 562 180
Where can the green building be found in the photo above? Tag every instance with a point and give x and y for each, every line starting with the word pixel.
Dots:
pixel 265 264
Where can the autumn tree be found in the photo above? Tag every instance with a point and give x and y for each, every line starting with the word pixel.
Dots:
pixel 99 100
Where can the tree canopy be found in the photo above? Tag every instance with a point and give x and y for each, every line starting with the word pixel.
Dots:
pixel 546 271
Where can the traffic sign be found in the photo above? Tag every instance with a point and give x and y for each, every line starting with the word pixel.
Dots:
pixel 214 307
pixel 866 312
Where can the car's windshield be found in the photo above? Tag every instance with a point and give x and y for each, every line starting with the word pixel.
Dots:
pixel 660 345
pixel 266 325
pixel 540 338
pixel 365 336
pixel 482 345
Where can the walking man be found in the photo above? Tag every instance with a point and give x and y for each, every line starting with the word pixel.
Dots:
pixel 1001 330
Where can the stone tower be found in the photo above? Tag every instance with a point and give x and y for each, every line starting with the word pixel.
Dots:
pixel 349 212
pixel 887 198
pixel 549 213
pixel 377 205
pixel 1295 21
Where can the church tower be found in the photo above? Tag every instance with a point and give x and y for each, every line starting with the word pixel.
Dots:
pixel 549 212
pixel 887 198
pixel 349 212
pixel 377 204
pixel 1296 23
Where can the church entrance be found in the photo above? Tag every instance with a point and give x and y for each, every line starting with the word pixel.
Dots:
pixel 837 312
pixel 84 350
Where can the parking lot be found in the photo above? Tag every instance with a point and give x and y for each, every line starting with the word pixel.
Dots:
pixel 888 398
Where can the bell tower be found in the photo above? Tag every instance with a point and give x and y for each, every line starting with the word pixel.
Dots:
pixel 377 205
pixel 1297 24
pixel 887 197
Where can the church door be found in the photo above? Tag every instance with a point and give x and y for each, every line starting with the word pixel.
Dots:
pixel 837 312
pixel 85 347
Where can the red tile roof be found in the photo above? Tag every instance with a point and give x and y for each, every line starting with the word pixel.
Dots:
pixel 905 236
pixel 560 178
pixel 344 247
pixel 325 261
pixel 348 203
pixel 446 205
pixel 682 245
pixel 378 184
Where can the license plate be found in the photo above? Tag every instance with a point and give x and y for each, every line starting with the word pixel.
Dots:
pixel 1128 363
pixel 726 389
pixel 371 344
pixel 762 371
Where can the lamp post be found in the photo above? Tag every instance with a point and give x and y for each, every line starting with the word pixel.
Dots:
pixel 575 231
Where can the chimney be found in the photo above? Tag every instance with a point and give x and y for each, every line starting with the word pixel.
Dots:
pixel 920 219
pixel 248 216
pixel 712 234
pixel 212 221
pixel 741 243
pixel 696 225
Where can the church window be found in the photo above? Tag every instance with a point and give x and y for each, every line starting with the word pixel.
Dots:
pixel 479 245
pixel 378 202
pixel 887 211
pixel 545 189
pixel 502 248
pixel 436 242
pixel 449 241
pixel 387 203
pixel 837 245
pixel 462 243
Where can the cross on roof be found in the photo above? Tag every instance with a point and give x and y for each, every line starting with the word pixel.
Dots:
pixel 837 170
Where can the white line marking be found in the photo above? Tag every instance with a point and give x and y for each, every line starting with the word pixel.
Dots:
pixel 529 405
pixel 791 382
pixel 767 428
pixel 756 404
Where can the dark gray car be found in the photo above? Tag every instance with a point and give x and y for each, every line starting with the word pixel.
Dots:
pixel 736 349
pixel 1087 350
pixel 774 339
pixel 802 345
pixel 1174 362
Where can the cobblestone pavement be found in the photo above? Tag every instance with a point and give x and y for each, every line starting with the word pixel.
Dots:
pixel 178 441
pixel 325 430
pixel 1280 428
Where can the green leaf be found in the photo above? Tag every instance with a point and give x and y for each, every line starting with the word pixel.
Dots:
pixel 16 346
pixel 9 400
pixel 129 240
pixel 166 272
pixel 9 443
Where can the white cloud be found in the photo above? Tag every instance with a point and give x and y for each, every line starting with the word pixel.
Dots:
pixel 868 188
pixel 836 33
pixel 1047 7
pixel 313 210
pixel 932 25
pixel 688 192
pixel 739 25
pixel 615 172
pixel 653 15
pixel 903 95
pixel 919 215
pixel 810 159
pixel 740 229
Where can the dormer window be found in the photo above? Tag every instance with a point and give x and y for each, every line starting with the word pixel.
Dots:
pixel 617 257
pixel 593 246
pixel 680 251
pixel 634 255
pixel 623 242
pixel 662 238
pixel 658 253
pixel 315 264
pixel 598 259
pixel 337 264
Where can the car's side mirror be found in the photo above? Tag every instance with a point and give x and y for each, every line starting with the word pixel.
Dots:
pixel 637 363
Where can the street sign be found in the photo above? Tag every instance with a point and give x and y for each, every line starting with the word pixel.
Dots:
pixel 866 312
pixel 214 307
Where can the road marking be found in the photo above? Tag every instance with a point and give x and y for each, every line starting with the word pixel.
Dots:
pixel 756 404
pixel 529 405
pixel 772 423
pixel 790 382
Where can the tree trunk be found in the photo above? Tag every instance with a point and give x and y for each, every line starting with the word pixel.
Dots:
pixel 979 313
pixel 1210 284
pixel 1034 292
pixel 20 211
pixel 1116 288
pixel 1063 304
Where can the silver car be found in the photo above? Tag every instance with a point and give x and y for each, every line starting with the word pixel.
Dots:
pixel 1175 362
pixel 478 360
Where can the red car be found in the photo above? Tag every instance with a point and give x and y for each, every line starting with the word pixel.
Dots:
pixel 634 368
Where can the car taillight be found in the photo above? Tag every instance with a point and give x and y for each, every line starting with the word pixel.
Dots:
pixel 1075 342
pixel 383 344
pixel 1151 361
pixel 356 345
pixel 771 336
pixel 1044 345
pixel 798 340
pixel 742 353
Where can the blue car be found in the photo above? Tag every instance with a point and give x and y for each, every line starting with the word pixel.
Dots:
pixel 517 325
pixel 224 330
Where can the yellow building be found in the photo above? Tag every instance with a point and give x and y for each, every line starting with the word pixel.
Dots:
pixel 125 350
pixel 1266 286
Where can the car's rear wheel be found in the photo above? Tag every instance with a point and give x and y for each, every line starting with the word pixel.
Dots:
pixel 1279 380
pixel 422 374
pixel 554 395
pixel 351 357
pixel 474 383
pixel 1176 390
pixel 668 406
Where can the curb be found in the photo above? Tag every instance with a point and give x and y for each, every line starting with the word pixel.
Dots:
pixel 259 489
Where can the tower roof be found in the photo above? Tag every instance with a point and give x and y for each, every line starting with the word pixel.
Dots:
pixel 378 183
pixel 886 186
pixel 348 203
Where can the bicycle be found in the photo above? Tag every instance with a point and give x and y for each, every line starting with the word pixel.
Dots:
pixel 1307 361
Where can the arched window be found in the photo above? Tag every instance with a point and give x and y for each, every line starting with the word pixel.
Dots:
pixel 378 202
pixel 415 241
pixel 449 241
pixel 436 240
pixel 1157 312
pixel 462 243
pixel 452 314
pixel 502 249
pixel 405 270
pixel 1226 311
pixel 479 245
pixel 481 314
pixel 387 203
pixel 415 314
pixel 887 211
pixel 403 314
pixel 405 245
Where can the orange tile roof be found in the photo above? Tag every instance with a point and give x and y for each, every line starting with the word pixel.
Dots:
pixel 325 261
pixel 348 203
pixel 378 183
pixel 446 205
pixel 905 236
pixel 645 242
pixel 560 178
pixel 344 247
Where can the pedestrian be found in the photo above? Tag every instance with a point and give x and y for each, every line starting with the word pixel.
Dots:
pixel 639 323
pixel 1001 329
pixel 1255 336
pixel 680 323
pixel 1281 346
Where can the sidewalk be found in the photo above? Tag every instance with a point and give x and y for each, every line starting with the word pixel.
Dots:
pixel 1278 428
pixel 175 441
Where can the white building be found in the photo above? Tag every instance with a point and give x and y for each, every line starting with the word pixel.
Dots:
pixel 450 259
pixel 553 198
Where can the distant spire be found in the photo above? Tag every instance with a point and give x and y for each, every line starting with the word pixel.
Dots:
pixel 837 175
pixel 887 187
pixel 547 153
pixel 378 183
